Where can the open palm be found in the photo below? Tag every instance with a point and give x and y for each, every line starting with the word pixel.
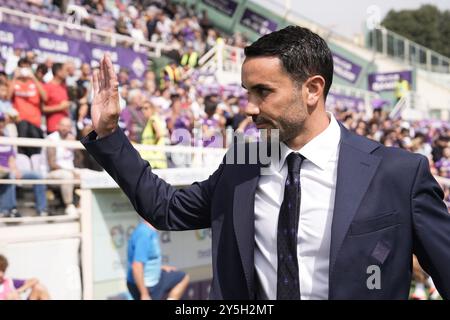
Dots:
pixel 105 108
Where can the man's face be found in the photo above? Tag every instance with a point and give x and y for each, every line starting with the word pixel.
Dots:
pixel 70 68
pixel 85 69
pixel 65 127
pixel 274 99
pixel 123 77
pixel 62 73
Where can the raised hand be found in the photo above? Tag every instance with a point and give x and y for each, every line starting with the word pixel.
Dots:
pixel 105 108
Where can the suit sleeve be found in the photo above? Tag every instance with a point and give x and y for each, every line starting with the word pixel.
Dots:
pixel 431 221
pixel 164 206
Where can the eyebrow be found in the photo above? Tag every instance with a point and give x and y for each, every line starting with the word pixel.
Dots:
pixel 258 86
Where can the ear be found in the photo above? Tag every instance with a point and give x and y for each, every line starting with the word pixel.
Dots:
pixel 314 87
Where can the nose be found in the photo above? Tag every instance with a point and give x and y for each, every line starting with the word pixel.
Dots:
pixel 252 108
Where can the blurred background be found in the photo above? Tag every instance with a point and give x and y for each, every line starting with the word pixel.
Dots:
pixel 66 228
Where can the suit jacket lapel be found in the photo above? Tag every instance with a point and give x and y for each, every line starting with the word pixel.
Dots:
pixel 244 222
pixel 356 168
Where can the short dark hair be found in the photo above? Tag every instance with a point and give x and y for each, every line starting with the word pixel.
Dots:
pixel 302 53
pixel 23 61
pixel 56 67
pixel 3 263
pixel 42 67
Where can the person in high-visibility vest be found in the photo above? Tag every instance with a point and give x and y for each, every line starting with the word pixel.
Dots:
pixel 154 133
pixel 189 59
pixel 401 88
pixel 171 73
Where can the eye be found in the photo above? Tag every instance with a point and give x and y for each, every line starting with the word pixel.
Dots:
pixel 263 92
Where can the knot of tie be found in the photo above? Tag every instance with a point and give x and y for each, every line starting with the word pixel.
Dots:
pixel 294 161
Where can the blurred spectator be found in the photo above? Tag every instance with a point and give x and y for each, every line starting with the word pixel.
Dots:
pixel 401 88
pixel 13 59
pixel 170 75
pixel 162 99
pixel 13 289
pixel 122 27
pixel 9 169
pixel 61 163
pixel 41 71
pixel 212 125
pixel 57 104
pixel 132 116
pixel 137 31
pixel 189 60
pixel 149 86
pixel 420 145
pixel 151 22
pixel 123 77
pixel 443 164
pixel 205 23
pixel 10 113
pixel 147 278
pixel 178 118
pixel 83 99
pixel 49 75
pixel 439 145
pixel 61 4
pixel 31 57
pixel 71 86
pixel 27 94
pixel 154 133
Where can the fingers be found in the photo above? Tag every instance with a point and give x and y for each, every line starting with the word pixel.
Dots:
pixel 101 75
pixel 106 75
pixel 95 84
pixel 113 82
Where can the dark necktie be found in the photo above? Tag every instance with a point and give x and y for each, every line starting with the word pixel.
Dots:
pixel 288 287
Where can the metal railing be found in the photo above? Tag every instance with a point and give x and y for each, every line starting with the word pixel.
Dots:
pixel 389 43
pixel 62 28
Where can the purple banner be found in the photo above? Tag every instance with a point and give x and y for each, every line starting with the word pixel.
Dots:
pixel 340 102
pixel 227 7
pixel 257 22
pixel 345 69
pixel 135 62
pixel 61 49
pixel 386 81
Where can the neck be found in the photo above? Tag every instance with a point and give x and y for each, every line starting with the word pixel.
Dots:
pixel 316 123
pixel 57 80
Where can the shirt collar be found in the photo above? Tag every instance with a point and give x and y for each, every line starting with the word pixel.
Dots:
pixel 320 149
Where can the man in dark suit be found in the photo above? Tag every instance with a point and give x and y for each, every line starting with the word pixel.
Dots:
pixel 333 216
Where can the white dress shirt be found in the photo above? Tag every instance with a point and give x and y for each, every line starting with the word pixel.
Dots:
pixel 318 185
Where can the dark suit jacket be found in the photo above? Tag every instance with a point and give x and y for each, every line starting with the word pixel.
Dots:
pixel 387 207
